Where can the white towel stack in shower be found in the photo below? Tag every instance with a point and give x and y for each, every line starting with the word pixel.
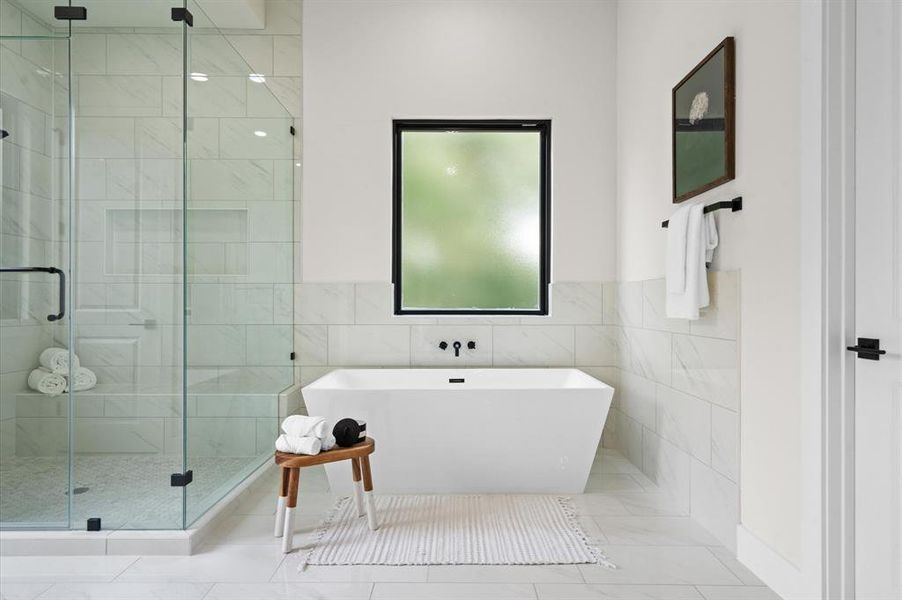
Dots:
pixel 55 362
pixel 305 435
pixel 46 382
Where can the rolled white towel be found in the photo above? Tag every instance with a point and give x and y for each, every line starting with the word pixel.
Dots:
pixel 57 360
pixel 302 425
pixel 328 442
pixel 298 445
pixel 83 379
pixel 46 382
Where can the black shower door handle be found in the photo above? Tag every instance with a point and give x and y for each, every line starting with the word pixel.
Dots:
pixel 52 271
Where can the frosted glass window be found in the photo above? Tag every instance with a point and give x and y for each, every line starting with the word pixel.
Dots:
pixel 471 217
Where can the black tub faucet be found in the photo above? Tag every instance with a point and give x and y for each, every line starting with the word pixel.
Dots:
pixel 457 346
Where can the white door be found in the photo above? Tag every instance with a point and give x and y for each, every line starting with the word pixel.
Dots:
pixel 878 300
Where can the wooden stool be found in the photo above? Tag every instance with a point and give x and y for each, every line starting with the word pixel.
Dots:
pixel 358 454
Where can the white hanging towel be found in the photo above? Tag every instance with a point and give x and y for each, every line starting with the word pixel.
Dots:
pixel 689 247
pixel 57 360
pixel 42 380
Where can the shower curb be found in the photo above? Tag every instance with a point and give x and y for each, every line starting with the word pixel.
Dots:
pixel 176 542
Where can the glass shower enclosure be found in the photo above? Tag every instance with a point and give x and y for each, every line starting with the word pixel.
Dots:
pixel 147 197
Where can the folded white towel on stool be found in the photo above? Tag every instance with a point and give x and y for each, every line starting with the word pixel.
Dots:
pixel 83 379
pixel 46 382
pixel 298 445
pixel 57 360
pixel 328 442
pixel 302 425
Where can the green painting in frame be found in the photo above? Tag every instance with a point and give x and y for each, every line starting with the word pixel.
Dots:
pixel 704 124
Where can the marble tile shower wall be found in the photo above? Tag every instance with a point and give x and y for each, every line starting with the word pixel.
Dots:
pixel 675 412
pixel 30 214
pixel 240 258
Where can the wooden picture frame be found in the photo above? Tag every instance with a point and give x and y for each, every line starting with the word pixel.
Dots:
pixel 703 124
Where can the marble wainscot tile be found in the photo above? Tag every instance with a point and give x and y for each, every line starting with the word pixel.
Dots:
pixel 575 303
pixel 721 318
pixel 649 353
pixel 533 346
pixel 715 503
pixel 622 303
pixel 369 345
pixel 707 368
pixel 255 50
pixel 325 303
pixel 214 55
pixel 654 531
pixel 630 434
pixel 374 305
pixel 598 345
pixel 725 442
pixel 105 137
pixel 637 398
pixel 653 308
pixel 238 138
pixel 668 466
pixel 685 421
pixel 287 55
pixel 312 344
pixel 425 340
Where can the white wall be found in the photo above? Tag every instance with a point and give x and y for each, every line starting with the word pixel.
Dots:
pixel 658 43
pixel 366 62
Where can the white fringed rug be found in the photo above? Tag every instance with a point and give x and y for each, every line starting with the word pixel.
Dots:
pixel 455 530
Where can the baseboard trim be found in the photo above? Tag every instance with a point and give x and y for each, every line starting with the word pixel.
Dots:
pixel 776 571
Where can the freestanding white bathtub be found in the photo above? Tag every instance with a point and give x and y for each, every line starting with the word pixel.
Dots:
pixel 468 430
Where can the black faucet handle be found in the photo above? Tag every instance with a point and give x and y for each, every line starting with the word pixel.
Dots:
pixel 456 345
pixel 443 345
pixel 471 345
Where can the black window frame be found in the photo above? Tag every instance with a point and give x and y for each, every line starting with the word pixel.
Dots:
pixel 543 126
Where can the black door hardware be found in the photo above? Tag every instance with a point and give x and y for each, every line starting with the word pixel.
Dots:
pixel 456 346
pixel 93 524
pixel 183 14
pixel 181 479
pixel 471 345
pixel 70 13
pixel 53 271
pixel 867 348
pixel 3 134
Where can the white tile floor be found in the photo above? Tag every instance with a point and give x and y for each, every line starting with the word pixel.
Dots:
pixel 661 553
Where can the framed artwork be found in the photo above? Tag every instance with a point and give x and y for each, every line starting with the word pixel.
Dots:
pixel 704 124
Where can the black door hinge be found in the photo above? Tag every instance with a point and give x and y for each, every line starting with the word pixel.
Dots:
pixel 867 348
pixel 3 133
pixel 183 14
pixel 93 524
pixel 181 479
pixel 291 129
pixel 291 356
pixel 70 13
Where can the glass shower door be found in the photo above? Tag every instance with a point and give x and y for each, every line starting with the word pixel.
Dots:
pixel 239 260
pixel 35 222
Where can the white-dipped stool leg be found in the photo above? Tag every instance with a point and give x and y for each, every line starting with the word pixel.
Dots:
pixel 280 515
pixel 358 497
pixel 288 534
pixel 371 516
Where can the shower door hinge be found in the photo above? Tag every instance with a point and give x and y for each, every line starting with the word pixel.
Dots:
pixel 291 356
pixel 291 129
pixel 70 13
pixel 181 479
pixel 93 524
pixel 183 14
